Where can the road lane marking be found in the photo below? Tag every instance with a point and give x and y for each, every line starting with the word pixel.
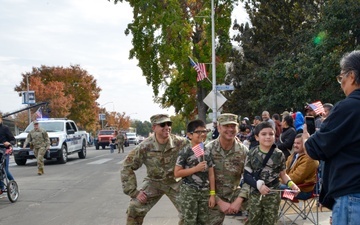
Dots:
pixel 100 161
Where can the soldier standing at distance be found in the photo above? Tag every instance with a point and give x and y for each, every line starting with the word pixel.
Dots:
pixel 40 142
pixel 120 140
pixel 158 153
pixel 229 156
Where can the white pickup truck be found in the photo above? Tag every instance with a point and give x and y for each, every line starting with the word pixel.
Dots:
pixel 65 139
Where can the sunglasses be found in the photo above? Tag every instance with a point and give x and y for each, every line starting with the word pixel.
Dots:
pixel 165 123
pixel 199 132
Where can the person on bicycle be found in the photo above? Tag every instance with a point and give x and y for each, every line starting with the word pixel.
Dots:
pixel 6 140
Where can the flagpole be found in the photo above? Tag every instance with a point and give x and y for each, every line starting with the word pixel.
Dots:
pixel 214 106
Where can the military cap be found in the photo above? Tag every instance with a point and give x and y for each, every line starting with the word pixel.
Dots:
pixel 160 118
pixel 36 122
pixel 227 118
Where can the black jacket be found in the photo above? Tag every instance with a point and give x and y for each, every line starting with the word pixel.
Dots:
pixel 286 140
pixel 338 144
pixel 6 135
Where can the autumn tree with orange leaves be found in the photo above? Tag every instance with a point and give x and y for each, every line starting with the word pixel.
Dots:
pixel 71 92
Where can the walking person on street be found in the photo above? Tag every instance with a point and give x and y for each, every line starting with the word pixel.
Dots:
pixel 338 144
pixel 158 153
pixel 40 143
pixel 229 156
pixel 120 139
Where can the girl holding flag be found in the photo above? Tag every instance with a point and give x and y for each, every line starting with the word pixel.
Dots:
pixel 196 167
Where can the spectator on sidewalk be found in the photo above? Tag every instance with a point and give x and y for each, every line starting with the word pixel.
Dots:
pixel 301 169
pixel 338 144
pixel 287 136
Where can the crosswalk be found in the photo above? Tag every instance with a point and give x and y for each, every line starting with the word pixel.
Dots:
pixel 88 161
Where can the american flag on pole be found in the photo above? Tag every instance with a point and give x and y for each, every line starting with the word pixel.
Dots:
pixel 289 194
pixel 39 113
pixel 317 107
pixel 198 150
pixel 200 69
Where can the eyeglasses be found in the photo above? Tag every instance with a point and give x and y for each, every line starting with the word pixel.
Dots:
pixel 165 123
pixel 341 76
pixel 199 132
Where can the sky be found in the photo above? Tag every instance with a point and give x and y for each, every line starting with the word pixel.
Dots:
pixel 89 33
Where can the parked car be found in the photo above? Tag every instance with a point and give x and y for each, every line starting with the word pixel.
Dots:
pixel 132 138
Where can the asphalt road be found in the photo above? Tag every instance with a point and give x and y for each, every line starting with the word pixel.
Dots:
pixel 80 192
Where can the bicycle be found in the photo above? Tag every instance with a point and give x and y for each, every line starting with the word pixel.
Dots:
pixel 11 187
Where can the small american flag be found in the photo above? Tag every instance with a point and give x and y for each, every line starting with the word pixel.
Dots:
pixel 198 150
pixel 200 69
pixel 38 113
pixel 289 194
pixel 317 107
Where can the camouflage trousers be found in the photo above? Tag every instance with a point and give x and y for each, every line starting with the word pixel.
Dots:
pixel 216 217
pixel 39 154
pixel 194 205
pixel 264 211
pixel 121 147
pixel 137 211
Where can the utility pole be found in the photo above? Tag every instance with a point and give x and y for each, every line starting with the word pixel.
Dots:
pixel 214 106
pixel 27 97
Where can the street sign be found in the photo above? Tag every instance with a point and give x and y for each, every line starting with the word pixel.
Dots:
pixel 220 99
pixel 102 117
pixel 225 87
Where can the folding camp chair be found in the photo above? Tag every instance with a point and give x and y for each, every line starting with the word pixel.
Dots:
pixel 303 208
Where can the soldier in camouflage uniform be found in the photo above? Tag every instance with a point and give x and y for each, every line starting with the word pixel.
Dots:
pixel 158 152
pixel 39 140
pixel 196 167
pixel 229 157
pixel 120 141
pixel 263 204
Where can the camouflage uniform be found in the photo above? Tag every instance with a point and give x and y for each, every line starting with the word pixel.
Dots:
pixel 265 210
pixel 40 141
pixel 229 167
pixel 160 175
pixel 194 190
pixel 120 140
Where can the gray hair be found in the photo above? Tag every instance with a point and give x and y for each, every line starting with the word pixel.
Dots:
pixel 351 62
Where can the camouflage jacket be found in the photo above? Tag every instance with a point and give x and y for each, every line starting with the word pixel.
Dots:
pixel 159 164
pixel 273 167
pixel 187 159
pixel 229 167
pixel 38 138
pixel 120 138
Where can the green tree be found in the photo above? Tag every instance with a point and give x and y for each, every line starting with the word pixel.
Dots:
pixel 164 34
pixel 73 89
pixel 290 54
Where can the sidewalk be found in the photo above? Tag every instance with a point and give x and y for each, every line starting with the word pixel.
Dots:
pixel 164 213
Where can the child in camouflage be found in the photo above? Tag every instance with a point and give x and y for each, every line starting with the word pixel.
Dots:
pixel 196 167
pixel 263 203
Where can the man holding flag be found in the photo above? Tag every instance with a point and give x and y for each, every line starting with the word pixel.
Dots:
pixel 195 165
pixel 229 156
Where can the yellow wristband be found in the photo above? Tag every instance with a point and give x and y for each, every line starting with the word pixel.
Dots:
pixel 212 192
pixel 290 183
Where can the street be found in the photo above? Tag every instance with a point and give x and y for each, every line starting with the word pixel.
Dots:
pixel 81 192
